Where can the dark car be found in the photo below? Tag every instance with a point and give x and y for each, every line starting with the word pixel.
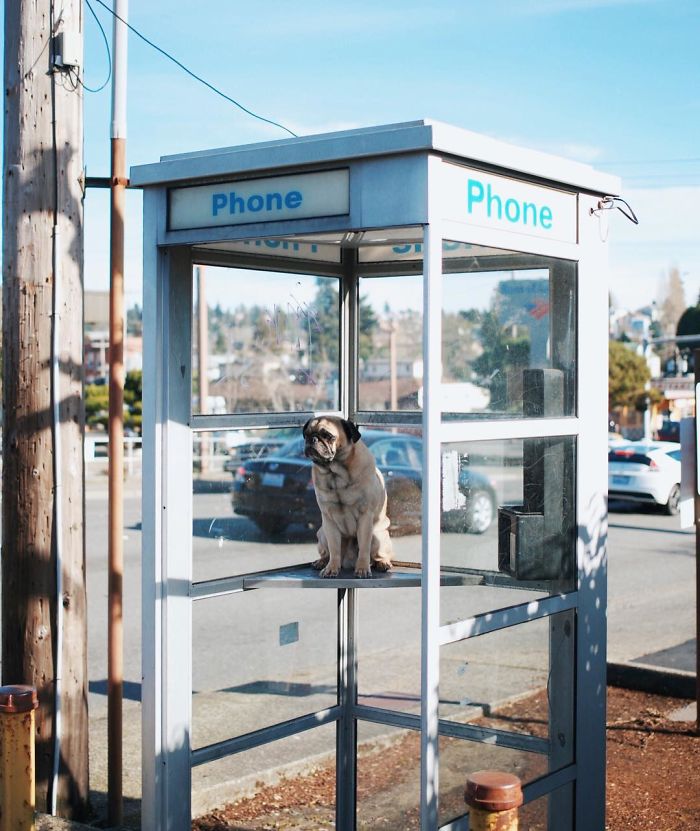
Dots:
pixel 277 490
pixel 253 449
pixel 669 431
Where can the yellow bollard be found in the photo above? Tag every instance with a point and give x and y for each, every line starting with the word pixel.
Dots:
pixel 493 799
pixel 17 796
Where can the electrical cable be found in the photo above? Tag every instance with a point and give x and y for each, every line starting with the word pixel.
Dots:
pixel 57 447
pixel 607 203
pixel 109 55
pixel 648 161
pixel 629 213
pixel 193 74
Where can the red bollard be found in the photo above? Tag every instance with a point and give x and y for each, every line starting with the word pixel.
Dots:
pixel 17 788
pixel 493 799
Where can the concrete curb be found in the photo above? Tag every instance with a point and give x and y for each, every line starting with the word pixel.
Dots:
pixel 644 678
pixel 45 822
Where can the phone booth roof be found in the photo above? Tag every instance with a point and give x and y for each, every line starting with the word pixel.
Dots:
pixel 402 139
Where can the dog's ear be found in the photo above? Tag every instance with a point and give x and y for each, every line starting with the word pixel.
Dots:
pixel 304 428
pixel 351 430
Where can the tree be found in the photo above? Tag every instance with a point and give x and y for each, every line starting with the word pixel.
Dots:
pixel 501 354
pixel 460 346
pixel 133 400
pixel 134 320
pixel 689 324
pixel 628 375
pixel 97 402
pixel 673 304
pixel 324 324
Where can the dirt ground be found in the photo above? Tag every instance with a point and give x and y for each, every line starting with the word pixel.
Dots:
pixel 653 776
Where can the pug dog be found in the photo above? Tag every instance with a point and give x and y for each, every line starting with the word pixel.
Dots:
pixel 350 492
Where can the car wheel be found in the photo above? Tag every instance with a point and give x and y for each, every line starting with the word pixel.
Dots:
pixel 270 524
pixel 672 507
pixel 479 513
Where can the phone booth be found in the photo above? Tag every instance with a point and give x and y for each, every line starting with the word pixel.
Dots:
pixel 447 293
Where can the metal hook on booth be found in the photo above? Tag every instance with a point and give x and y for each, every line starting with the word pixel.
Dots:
pixel 608 203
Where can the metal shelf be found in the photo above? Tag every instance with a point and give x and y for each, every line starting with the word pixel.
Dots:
pixel 306 577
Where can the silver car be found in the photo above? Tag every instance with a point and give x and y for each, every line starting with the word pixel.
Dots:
pixel 645 471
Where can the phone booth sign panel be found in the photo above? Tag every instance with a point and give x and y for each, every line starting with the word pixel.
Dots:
pixel 433 303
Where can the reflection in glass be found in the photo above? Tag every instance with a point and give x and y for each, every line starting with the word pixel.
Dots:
pixel 388 778
pixel 234 531
pixel 522 678
pixel 260 658
pixel 272 342
pixel 391 343
pixel 459 758
pixel 268 786
pixel 508 340
pixel 515 500
pixel 388 647
pixel 509 334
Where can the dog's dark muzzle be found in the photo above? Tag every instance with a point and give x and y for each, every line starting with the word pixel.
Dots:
pixel 312 451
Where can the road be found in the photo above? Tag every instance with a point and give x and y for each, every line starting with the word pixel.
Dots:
pixel 262 656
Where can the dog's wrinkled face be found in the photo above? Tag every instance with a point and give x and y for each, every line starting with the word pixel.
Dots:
pixel 327 438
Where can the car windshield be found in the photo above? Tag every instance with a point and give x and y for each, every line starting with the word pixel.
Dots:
pixel 629 455
pixel 295 447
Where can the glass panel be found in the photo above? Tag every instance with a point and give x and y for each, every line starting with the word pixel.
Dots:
pixel 268 786
pixel 388 778
pixel 388 649
pixel 260 658
pixel 460 758
pixel 391 343
pixel 517 680
pixel 273 341
pixel 552 812
pixel 254 507
pixel 509 333
pixel 515 501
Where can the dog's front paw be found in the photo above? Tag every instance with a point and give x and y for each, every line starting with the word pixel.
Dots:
pixel 363 571
pixel 320 563
pixel 330 571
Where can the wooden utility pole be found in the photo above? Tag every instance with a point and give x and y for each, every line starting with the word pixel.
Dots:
pixel 44 633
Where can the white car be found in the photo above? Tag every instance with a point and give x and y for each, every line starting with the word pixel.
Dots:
pixel 645 471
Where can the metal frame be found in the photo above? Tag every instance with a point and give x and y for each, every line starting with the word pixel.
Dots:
pixel 396 180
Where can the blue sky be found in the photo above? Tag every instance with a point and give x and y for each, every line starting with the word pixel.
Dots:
pixel 614 83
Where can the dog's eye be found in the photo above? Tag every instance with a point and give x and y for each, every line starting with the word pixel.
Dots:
pixel 324 434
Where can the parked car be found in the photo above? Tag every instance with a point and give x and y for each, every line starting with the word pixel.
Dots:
pixel 647 472
pixel 669 431
pixel 253 449
pixel 277 490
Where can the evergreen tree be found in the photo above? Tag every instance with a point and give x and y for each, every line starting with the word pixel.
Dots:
pixel 628 374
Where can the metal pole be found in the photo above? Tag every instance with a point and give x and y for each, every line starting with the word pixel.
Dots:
pixel 203 361
pixel 392 365
pixel 17 759
pixel 115 634
pixel 493 799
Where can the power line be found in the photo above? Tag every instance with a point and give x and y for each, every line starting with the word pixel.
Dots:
pixel 193 74
pixel 649 161
pixel 109 55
